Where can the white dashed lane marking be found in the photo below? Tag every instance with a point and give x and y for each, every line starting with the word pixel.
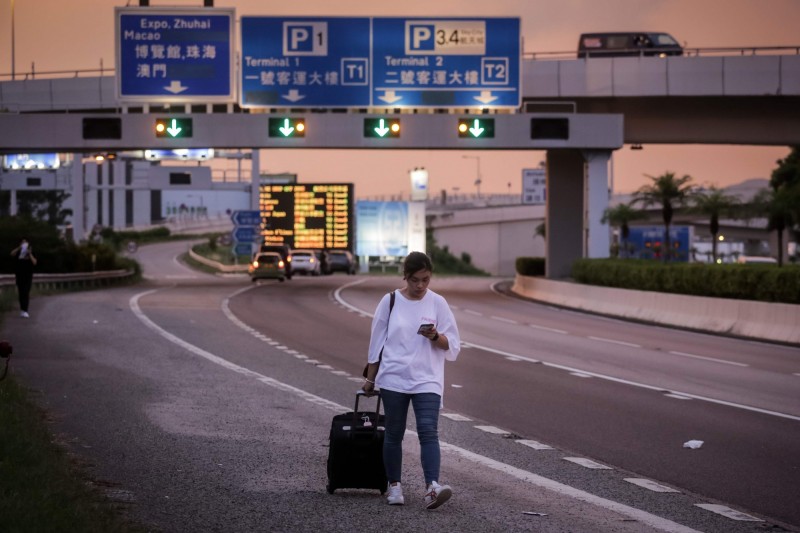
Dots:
pixel 493 430
pixel 506 320
pixel 587 463
pixel 612 341
pixel 650 485
pixel 728 512
pixel 544 328
pixel 536 445
pixel 712 359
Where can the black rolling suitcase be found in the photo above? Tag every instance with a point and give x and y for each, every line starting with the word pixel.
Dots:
pixel 355 457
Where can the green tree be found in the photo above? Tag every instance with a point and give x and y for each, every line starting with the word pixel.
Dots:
pixel 620 216
pixel 778 205
pixel 668 191
pixel 785 181
pixel 44 205
pixel 714 203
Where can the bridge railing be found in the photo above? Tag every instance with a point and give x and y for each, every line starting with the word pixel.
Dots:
pixel 687 52
pixel 571 54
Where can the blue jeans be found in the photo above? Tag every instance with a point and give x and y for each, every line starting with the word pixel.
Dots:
pixel 426 409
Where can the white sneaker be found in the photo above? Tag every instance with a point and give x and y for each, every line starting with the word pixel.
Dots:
pixel 437 495
pixel 24 314
pixel 395 495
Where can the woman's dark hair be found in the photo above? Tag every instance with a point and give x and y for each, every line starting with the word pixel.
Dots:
pixel 414 262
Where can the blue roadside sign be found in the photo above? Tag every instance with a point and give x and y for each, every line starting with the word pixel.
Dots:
pixel 446 62
pixel 246 218
pixel 242 248
pixel 175 54
pixel 305 62
pixel 245 233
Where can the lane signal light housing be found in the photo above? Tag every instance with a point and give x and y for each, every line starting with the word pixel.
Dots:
pixel 287 127
pixel 382 127
pixel 475 128
pixel 174 128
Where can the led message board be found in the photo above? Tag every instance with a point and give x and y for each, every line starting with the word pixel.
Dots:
pixel 308 215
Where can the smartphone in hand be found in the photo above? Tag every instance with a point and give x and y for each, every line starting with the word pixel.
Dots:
pixel 424 328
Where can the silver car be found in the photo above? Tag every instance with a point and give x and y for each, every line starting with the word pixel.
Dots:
pixel 305 262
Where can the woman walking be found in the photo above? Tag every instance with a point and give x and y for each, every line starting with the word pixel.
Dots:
pixel 408 347
pixel 23 274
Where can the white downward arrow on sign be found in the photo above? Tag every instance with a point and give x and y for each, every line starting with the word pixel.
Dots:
pixel 381 129
pixel 486 97
pixel 286 129
pixel 389 97
pixel 476 129
pixel 294 96
pixel 175 87
pixel 174 130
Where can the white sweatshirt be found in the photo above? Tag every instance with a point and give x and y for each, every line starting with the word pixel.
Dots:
pixel 411 363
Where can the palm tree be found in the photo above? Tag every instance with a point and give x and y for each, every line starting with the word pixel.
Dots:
pixel 668 191
pixel 620 216
pixel 714 203
pixel 778 206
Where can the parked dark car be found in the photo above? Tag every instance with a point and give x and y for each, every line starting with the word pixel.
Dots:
pixel 621 44
pixel 324 259
pixel 342 261
pixel 284 251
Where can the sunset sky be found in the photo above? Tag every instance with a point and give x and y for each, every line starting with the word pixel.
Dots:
pixel 79 34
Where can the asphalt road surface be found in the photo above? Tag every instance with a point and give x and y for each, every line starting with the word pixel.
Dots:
pixel 203 403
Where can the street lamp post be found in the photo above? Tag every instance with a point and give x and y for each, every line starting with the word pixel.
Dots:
pixel 478 181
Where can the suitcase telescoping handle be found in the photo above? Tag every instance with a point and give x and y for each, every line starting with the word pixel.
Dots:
pixel 361 393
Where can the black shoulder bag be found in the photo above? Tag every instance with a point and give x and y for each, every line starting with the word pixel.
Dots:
pixel 380 357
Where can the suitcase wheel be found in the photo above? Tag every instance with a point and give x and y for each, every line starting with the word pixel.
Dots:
pixel 329 489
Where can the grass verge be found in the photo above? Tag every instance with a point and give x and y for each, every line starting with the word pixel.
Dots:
pixel 41 488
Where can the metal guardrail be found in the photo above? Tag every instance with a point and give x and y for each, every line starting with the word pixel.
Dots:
pixel 687 52
pixel 73 280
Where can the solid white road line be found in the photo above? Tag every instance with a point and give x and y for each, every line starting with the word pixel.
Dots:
pixel 644 517
pixel 704 358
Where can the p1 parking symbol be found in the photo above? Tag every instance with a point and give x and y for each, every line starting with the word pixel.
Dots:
pixel 305 38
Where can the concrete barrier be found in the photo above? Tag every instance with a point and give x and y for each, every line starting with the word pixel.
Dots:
pixel 744 318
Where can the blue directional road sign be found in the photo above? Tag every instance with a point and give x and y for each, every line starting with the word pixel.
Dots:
pixel 174 54
pixel 305 62
pixel 245 233
pixel 446 62
pixel 242 248
pixel 246 218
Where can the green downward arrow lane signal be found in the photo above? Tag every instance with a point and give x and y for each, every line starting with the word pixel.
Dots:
pixel 382 127
pixel 287 127
pixel 174 128
pixel 475 128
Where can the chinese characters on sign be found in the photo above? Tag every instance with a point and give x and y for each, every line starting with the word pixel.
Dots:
pixel 171 54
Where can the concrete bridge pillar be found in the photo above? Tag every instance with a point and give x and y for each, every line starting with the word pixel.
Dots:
pixel 577 196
